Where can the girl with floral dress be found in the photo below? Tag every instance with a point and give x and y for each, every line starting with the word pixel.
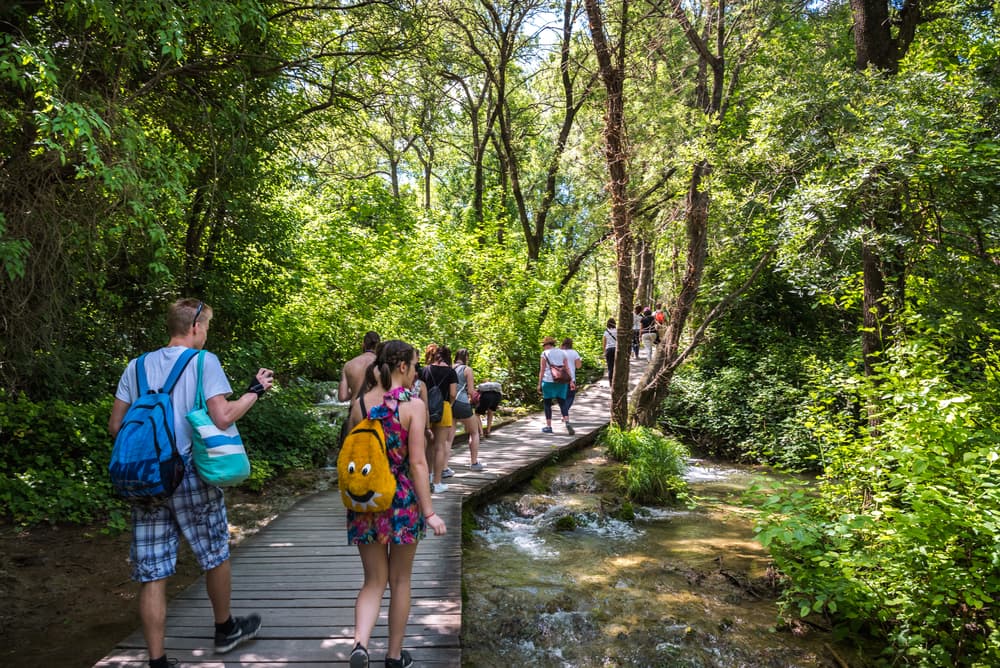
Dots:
pixel 387 541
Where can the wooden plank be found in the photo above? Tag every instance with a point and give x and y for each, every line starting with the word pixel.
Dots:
pixel 310 658
pixel 302 577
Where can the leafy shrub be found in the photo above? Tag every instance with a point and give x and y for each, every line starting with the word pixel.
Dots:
pixel 745 394
pixel 281 432
pixel 260 472
pixel 901 538
pixel 748 411
pixel 653 464
pixel 53 460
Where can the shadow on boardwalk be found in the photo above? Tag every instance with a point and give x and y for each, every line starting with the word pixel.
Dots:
pixel 302 577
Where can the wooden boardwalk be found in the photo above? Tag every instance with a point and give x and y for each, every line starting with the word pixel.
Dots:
pixel 302 577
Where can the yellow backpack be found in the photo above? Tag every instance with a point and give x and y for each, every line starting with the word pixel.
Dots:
pixel 367 484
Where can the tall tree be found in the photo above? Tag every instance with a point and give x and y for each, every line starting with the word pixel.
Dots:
pixel 722 45
pixel 495 34
pixel 882 36
pixel 611 63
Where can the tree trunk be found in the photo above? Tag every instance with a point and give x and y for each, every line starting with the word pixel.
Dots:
pixel 480 136
pixel 394 176
pixel 616 156
pixel 873 43
pixel 875 46
pixel 655 383
pixel 875 314
pixel 427 162
pixel 644 281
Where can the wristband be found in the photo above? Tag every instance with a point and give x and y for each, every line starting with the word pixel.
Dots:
pixel 256 388
pixel 427 517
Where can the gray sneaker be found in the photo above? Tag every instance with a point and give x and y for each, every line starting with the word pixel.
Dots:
pixel 569 428
pixel 245 630
pixel 477 467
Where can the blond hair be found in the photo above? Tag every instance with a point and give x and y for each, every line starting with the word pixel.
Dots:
pixel 182 314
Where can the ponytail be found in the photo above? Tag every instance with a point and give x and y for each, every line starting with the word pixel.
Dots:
pixel 388 355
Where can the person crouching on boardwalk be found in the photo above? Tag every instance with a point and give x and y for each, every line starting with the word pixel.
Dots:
pixel 387 541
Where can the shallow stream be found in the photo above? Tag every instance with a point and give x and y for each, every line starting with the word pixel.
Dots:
pixel 674 587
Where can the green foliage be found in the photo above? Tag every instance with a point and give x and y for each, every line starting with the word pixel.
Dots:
pixel 281 434
pixel 12 253
pixel 741 413
pixel 653 464
pixel 901 538
pixel 54 460
pixel 261 471
pixel 747 393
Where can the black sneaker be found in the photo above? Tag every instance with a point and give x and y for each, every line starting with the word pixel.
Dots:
pixel 404 661
pixel 170 662
pixel 359 657
pixel 245 629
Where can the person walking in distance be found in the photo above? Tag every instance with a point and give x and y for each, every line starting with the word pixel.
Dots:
pixel 430 355
pixel 648 332
pixel 609 341
pixel 387 540
pixel 196 510
pixel 352 376
pixel 462 410
pixel 573 362
pixel 549 389
pixel 636 330
pixel 659 315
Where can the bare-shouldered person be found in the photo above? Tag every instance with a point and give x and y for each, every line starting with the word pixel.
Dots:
pixel 353 375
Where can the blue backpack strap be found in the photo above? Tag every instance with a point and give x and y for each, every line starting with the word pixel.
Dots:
pixel 179 366
pixel 140 375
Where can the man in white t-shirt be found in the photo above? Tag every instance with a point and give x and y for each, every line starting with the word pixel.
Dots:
pixel 195 510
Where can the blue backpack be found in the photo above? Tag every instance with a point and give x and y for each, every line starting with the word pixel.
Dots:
pixel 145 464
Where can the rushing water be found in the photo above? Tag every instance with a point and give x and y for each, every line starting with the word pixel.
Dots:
pixel 671 588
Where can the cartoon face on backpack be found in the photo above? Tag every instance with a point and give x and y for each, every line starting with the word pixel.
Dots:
pixel 367 484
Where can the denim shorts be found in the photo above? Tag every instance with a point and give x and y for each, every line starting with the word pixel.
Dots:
pixel 196 511
pixel 461 410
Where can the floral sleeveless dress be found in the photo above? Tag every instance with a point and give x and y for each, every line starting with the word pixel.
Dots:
pixel 402 523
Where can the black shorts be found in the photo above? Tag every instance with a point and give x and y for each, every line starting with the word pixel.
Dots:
pixel 488 401
pixel 461 410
